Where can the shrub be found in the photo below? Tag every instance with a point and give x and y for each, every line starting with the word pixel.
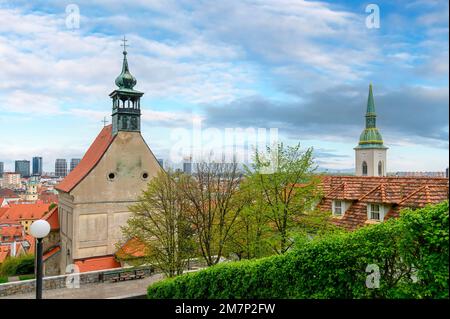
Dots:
pixel 411 253
pixel 14 266
pixel 3 280
pixel 26 277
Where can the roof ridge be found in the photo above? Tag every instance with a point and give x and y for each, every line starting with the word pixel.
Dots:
pixel 372 190
pixel 412 194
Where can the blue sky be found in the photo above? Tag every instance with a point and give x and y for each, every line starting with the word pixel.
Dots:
pixel 300 66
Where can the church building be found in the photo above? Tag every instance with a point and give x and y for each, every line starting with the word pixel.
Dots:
pixel 95 196
pixel 370 154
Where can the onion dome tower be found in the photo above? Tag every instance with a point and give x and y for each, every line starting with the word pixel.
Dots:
pixel 370 153
pixel 126 111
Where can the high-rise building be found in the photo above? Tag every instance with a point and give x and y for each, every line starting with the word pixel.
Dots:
pixel 37 165
pixel 74 162
pixel 161 162
pixel 22 167
pixel 2 169
pixel 187 165
pixel 61 167
pixel 370 154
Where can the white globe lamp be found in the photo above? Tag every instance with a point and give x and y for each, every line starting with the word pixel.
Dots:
pixel 40 228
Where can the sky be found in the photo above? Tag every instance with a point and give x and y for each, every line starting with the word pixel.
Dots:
pixel 301 67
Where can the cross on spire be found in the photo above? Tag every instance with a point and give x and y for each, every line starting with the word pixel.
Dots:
pixel 104 121
pixel 124 45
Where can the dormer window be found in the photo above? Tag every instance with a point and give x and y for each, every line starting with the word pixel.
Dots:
pixel 338 207
pixel 374 211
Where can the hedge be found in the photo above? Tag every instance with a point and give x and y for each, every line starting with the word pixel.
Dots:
pixel 411 252
pixel 26 277
pixel 14 266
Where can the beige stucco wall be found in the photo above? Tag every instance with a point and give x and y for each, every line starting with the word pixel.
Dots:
pixel 97 207
pixel 371 156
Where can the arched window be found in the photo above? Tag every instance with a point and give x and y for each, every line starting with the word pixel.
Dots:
pixel 380 168
pixel 364 168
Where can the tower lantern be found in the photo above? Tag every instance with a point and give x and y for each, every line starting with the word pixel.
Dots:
pixel 126 110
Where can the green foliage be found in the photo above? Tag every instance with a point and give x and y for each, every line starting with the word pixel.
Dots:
pixel 14 266
pixel 159 222
pixel 284 189
pixel 3 280
pixel 411 252
pixel 26 277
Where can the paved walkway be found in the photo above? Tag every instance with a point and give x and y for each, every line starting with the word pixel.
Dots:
pixel 97 291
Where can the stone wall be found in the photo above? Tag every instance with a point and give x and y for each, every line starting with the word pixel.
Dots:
pixel 55 282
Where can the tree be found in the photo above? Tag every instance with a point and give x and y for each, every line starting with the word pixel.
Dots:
pixel 159 221
pixel 214 206
pixel 250 231
pixel 286 190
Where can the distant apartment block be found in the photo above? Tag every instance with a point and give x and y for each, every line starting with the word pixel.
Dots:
pixel 74 162
pixel 2 167
pixel 11 179
pixel 37 166
pixel 419 174
pixel 22 167
pixel 60 167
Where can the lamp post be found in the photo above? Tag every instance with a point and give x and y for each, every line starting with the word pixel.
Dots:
pixel 39 229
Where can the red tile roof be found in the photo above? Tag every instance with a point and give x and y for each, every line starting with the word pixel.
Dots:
pixel 396 192
pixel 4 252
pixel 133 248
pixel 32 241
pixel 51 252
pixel 3 210
pixel 48 198
pixel 8 193
pixel 19 212
pixel 97 263
pixel 52 218
pixel 11 231
pixel 89 160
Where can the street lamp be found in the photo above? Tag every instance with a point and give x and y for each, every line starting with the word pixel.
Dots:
pixel 39 229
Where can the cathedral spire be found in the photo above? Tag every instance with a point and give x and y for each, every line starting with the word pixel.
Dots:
pixel 370 137
pixel 370 114
pixel 126 115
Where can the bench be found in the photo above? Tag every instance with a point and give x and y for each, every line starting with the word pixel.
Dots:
pixel 122 275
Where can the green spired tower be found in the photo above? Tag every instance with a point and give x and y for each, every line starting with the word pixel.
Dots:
pixel 126 112
pixel 370 153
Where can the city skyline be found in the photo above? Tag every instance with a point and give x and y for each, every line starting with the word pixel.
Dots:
pixel 311 90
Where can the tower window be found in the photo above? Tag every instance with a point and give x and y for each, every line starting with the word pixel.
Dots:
pixel 111 176
pixel 364 168
pixel 380 168
pixel 144 176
